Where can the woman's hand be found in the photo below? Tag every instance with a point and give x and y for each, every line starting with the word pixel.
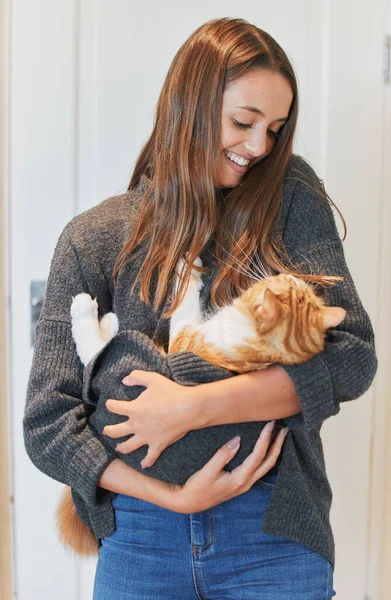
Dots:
pixel 211 485
pixel 208 487
pixel 158 417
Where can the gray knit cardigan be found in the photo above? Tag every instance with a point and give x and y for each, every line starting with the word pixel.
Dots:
pixel 62 433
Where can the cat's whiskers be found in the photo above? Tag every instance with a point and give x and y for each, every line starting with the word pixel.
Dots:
pixel 308 261
pixel 243 269
pixel 258 265
pixel 261 266
pixel 254 270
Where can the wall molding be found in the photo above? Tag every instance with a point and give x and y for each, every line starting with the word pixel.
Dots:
pixel 379 524
pixel 385 585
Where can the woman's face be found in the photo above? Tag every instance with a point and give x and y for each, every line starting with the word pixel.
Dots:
pixel 254 110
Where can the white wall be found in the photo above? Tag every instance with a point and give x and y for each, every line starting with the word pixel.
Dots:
pixel 354 178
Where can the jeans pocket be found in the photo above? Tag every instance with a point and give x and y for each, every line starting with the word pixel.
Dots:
pixel 266 482
pixel 263 485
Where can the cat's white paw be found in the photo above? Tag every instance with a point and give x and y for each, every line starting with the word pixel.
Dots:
pixel 108 326
pixel 84 306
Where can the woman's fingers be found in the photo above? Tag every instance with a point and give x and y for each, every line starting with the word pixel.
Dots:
pixel 119 407
pixel 133 443
pixel 221 458
pixel 212 484
pixel 254 466
pixel 151 457
pixel 118 430
pixel 262 452
pixel 272 455
pixel 259 450
pixel 262 458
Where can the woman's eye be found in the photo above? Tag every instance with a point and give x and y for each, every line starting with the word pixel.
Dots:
pixel 274 134
pixel 241 125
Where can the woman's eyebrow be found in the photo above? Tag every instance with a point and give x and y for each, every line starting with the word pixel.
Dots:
pixel 259 112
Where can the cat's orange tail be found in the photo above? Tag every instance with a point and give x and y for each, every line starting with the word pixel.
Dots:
pixel 73 532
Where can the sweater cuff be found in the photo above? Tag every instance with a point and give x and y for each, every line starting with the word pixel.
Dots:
pixel 314 388
pixel 189 369
pixel 87 466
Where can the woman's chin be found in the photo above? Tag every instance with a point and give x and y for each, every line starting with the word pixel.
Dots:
pixel 228 181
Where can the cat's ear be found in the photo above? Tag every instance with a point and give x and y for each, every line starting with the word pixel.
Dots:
pixel 332 316
pixel 268 308
pixel 279 285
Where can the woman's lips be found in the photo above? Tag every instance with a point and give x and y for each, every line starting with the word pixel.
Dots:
pixel 235 167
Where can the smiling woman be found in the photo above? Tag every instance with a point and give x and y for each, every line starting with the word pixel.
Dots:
pixel 251 122
pixel 229 90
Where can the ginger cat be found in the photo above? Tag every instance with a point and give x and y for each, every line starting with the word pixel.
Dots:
pixel 278 319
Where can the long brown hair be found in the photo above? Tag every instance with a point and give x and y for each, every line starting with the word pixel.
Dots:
pixel 179 211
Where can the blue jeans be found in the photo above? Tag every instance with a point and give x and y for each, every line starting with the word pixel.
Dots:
pixel 220 553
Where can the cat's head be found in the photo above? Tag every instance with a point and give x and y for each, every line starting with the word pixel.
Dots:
pixel 289 317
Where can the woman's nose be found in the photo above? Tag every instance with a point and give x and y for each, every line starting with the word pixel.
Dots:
pixel 256 144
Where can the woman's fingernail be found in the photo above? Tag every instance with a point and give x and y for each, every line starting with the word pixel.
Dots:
pixel 234 443
pixel 128 381
pixel 284 431
pixel 270 425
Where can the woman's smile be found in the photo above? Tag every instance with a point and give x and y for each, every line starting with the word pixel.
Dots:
pixel 234 161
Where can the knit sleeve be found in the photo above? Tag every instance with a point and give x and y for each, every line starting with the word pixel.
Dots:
pixel 344 370
pixel 57 436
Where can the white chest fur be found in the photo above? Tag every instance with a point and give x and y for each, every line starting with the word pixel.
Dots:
pixel 227 328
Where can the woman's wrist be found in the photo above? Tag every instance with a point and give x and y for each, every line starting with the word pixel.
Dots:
pixel 262 395
pixel 120 478
pixel 197 402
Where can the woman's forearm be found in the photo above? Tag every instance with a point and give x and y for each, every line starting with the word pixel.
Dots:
pixel 256 396
pixel 120 478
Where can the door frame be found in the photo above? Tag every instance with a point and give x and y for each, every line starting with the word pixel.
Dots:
pixel 6 558
pixel 385 585
pixel 379 494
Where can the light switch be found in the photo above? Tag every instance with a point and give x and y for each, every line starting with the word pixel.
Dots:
pixel 37 295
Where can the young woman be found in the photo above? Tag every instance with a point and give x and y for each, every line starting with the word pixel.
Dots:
pixel 216 179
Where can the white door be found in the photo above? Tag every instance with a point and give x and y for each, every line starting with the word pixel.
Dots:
pixel 85 79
